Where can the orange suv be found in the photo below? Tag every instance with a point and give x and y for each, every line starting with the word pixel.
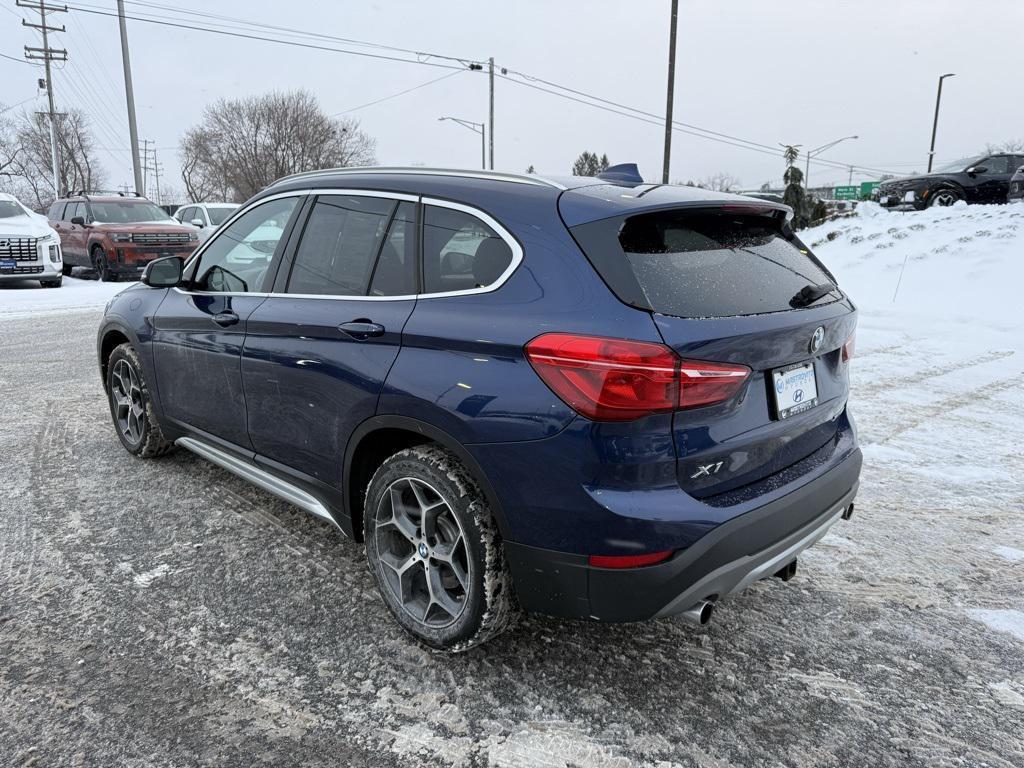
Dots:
pixel 117 234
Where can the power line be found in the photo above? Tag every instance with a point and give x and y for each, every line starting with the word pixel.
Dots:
pixel 20 61
pixel 247 36
pixel 400 93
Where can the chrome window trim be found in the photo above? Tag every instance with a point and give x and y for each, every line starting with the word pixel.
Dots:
pixel 504 234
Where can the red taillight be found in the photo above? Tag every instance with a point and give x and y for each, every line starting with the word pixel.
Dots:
pixel 848 347
pixel 607 379
pixel 620 380
pixel 630 561
pixel 703 383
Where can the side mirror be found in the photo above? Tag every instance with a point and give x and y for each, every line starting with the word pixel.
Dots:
pixel 197 223
pixel 163 273
pixel 79 220
pixel 977 169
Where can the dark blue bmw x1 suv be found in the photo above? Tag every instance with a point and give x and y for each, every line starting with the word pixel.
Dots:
pixel 589 397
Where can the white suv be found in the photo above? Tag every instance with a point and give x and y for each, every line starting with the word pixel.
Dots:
pixel 205 216
pixel 29 248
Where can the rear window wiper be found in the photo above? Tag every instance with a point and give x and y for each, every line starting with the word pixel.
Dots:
pixel 811 293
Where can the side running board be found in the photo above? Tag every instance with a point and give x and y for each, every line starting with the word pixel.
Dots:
pixel 268 482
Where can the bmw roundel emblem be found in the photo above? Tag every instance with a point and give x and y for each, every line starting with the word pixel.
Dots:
pixel 423 549
pixel 816 339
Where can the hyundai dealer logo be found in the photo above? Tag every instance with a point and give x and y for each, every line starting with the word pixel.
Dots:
pixel 816 339
pixel 798 396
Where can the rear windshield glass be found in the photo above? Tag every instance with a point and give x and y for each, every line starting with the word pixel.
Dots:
pixel 700 264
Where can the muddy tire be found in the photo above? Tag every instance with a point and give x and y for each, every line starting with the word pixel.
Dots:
pixel 434 549
pixel 131 406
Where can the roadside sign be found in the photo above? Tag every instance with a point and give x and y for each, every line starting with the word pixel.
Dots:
pixel 867 187
pixel 847 193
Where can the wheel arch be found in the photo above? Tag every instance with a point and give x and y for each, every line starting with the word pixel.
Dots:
pixel 379 437
pixel 111 336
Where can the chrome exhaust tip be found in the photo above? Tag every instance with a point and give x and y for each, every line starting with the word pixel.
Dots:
pixel 700 614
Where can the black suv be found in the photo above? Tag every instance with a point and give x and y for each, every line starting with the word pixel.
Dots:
pixel 982 179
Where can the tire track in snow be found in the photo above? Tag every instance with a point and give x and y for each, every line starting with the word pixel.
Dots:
pixel 934 371
pixel 922 415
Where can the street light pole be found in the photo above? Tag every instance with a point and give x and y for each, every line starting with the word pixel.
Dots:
pixel 815 152
pixel 935 122
pixel 475 128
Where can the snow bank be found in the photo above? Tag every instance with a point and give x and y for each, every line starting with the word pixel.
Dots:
pixel 29 299
pixel 961 263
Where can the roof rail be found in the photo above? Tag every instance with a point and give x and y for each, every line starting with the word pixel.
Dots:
pixel 516 178
pixel 118 192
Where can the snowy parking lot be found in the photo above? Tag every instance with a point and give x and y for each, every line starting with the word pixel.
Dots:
pixel 165 613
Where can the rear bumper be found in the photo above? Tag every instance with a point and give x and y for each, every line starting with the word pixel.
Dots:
pixel 727 559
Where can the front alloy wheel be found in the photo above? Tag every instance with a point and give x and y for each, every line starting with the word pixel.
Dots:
pixel 130 405
pixel 129 408
pixel 943 198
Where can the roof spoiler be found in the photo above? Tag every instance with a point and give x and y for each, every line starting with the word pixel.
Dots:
pixel 627 172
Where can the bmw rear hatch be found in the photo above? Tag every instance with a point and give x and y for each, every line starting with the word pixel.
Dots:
pixel 727 283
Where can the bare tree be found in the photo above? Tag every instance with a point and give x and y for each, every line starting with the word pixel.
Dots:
pixel 720 182
pixel 1013 145
pixel 25 158
pixel 242 145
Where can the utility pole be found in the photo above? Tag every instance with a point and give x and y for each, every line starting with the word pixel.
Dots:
pixel 47 54
pixel 145 168
pixel 671 92
pixel 935 122
pixel 129 93
pixel 850 182
pixel 490 130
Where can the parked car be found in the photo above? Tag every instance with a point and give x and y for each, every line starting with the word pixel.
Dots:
pixel 29 248
pixel 586 397
pixel 1016 186
pixel 205 217
pixel 981 179
pixel 117 235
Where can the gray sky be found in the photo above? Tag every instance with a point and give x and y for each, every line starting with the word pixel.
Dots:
pixel 799 71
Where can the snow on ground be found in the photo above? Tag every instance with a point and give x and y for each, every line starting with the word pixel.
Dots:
pixel 27 298
pixel 938 379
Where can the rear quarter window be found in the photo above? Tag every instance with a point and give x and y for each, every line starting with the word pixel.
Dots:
pixel 707 263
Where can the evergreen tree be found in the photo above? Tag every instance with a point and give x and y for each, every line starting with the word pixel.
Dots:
pixel 589 164
pixel 530 170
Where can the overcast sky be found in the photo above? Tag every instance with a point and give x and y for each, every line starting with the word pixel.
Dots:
pixel 797 71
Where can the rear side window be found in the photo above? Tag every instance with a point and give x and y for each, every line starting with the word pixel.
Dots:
pixel 56 211
pixel 339 245
pixel 700 263
pixel 395 273
pixel 460 252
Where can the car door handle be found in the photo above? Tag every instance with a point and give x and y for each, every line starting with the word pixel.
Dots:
pixel 224 319
pixel 362 329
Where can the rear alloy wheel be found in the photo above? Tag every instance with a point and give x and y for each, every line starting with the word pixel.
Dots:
pixel 101 266
pixel 433 548
pixel 131 406
pixel 944 198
